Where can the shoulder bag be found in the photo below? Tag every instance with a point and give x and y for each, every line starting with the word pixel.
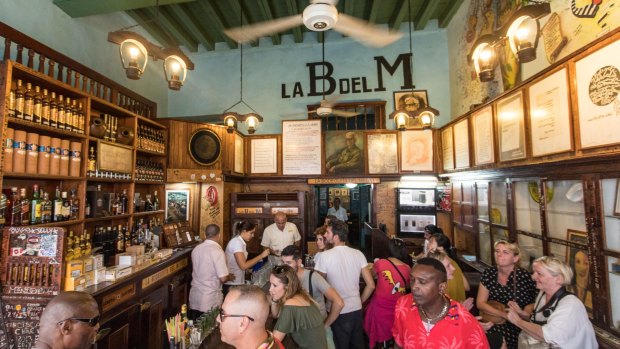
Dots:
pixel 407 286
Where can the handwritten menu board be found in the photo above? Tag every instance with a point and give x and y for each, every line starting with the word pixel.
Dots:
pixel 5 342
pixel 301 147
pixel 21 320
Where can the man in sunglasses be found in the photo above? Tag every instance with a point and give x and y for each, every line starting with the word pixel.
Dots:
pixel 69 321
pixel 242 319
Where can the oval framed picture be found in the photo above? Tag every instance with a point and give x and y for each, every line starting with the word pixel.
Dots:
pixel 205 146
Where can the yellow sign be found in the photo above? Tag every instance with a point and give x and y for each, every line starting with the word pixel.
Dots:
pixel 249 210
pixel 285 210
pixel 113 299
pixel 171 269
pixel 344 180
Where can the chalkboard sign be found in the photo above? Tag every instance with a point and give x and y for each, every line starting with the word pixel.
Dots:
pixel 21 316
pixel 5 339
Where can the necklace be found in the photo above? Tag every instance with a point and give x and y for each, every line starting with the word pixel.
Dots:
pixel 434 320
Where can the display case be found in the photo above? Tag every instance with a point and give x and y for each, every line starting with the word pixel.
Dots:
pixel 415 209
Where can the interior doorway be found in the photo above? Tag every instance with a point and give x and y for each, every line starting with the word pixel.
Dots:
pixel 356 200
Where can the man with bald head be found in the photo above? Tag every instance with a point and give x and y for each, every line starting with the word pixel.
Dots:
pixel 280 234
pixel 69 321
pixel 242 319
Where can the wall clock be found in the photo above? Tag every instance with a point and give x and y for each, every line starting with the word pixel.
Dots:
pixel 205 147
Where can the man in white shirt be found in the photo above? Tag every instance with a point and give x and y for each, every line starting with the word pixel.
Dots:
pixel 208 274
pixel 338 211
pixel 280 234
pixel 343 266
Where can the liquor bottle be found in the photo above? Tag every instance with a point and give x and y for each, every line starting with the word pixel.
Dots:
pixel 75 205
pixel 46 208
pixel 88 245
pixel 35 205
pixel 19 100
pixel 25 204
pixel 28 102
pixel 14 209
pixel 58 215
pixel 83 244
pixel 68 115
pixel 155 201
pixel 114 206
pixel 36 110
pixel 61 112
pixel 53 110
pixel 81 119
pixel 3 203
pixel 74 112
pixel 77 250
pixel 124 202
pixel 99 209
pixel 92 163
pixel 148 206
pixel 12 99
pixel 120 240
pixel 66 206
pixel 69 249
pixel 87 211
pixel 45 108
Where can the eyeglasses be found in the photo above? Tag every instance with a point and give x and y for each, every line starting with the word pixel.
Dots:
pixel 222 315
pixel 92 322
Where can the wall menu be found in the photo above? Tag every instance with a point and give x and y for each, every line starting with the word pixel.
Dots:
pixel 301 147
pixel 483 136
pixel 447 149
pixel 21 316
pixel 461 143
pixel 264 155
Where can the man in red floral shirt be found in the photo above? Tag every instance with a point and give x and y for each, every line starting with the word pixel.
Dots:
pixel 426 318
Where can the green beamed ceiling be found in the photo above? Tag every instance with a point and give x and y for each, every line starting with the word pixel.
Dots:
pixel 191 23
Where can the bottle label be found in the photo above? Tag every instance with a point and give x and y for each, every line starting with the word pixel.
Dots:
pixel 28 106
pixel 65 152
pixel 75 154
pixel 8 143
pixel 19 107
pixel 32 146
pixel 42 149
pixel 19 145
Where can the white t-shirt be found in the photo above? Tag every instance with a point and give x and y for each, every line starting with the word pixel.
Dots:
pixel 236 244
pixel 319 287
pixel 277 239
pixel 343 267
pixel 568 327
pixel 209 264
pixel 341 213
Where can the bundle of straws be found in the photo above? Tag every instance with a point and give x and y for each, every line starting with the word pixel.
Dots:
pixel 175 327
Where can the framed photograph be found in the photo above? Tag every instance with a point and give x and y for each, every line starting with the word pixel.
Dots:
pixel 447 149
pixel 617 205
pixel 411 101
pixel 484 150
pixel 511 127
pixel 550 115
pixel 239 165
pixel 264 155
pixel 302 147
pixel 461 143
pixel 598 79
pixel 416 150
pixel 177 206
pixel 579 261
pixel 382 153
pixel 344 153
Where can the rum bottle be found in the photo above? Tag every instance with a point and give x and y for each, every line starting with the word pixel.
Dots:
pixel 14 209
pixel 68 115
pixel 75 205
pixel 19 100
pixel 46 208
pixel 124 202
pixel 58 216
pixel 28 102
pixel 155 201
pixel 45 108
pixel 53 110
pixel 25 204
pixel 69 243
pixel 61 113
pixel 35 206
pixel 12 99
pixel 120 240
pixel 36 110
pixel 66 206
pixel 92 163
pixel 3 202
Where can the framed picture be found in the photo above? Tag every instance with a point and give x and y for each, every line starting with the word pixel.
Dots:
pixel 382 153
pixel 302 147
pixel 447 149
pixel 550 115
pixel 617 205
pixel 239 165
pixel 411 101
pixel 264 155
pixel 597 78
pixel 579 261
pixel 484 150
pixel 416 150
pixel 344 153
pixel 511 127
pixel 461 144
pixel 177 205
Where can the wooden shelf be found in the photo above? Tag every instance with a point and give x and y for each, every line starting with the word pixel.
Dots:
pixel 151 122
pixel 43 128
pixel 105 106
pixel 107 218
pixel 40 176
pixel 54 224
pixel 149 182
pixel 149 152
pixel 108 180
pixel 148 213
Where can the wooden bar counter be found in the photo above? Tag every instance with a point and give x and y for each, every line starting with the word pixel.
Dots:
pixel 135 307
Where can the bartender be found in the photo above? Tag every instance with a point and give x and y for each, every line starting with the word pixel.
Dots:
pixel 280 234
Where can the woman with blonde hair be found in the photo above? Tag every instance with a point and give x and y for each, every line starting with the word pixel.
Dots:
pixel 559 319
pixel 506 285
pixel 297 313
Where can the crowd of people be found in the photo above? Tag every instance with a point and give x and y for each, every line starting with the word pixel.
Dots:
pixel 405 301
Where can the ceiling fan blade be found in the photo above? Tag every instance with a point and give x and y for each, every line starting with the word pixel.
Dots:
pixel 330 100
pixel 297 114
pixel 252 32
pixel 344 113
pixel 365 32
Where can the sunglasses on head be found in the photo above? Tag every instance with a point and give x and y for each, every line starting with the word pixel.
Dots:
pixel 91 322
pixel 279 269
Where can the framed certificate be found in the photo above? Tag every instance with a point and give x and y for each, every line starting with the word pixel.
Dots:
pixel 447 149
pixel 484 150
pixel 461 144
pixel 264 155
pixel 302 147
pixel 511 128
pixel 550 115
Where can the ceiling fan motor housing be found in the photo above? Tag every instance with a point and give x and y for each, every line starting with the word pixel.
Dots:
pixel 320 17
pixel 323 111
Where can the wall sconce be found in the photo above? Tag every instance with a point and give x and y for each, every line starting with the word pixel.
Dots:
pixel 522 31
pixel 135 49
pixel 484 56
pixel 426 116
pixel 231 120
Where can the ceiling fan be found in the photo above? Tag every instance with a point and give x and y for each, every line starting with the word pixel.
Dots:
pixel 326 108
pixel 320 15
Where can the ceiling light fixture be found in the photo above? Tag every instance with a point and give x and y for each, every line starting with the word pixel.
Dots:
pixel 425 114
pixel 135 49
pixel 484 56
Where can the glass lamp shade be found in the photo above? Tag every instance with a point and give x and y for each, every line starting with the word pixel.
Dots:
pixel 523 38
pixel 485 60
pixel 252 122
pixel 176 71
pixel 134 58
pixel 231 123
pixel 400 119
pixel 427 119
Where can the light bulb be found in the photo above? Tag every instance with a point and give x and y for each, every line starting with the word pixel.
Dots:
pixel 133 52
pixel 486 54
pixel 175 66
pixel 522 33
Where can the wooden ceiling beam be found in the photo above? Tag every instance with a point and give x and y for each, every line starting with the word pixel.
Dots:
pixel 244 17
pixel 293 10
pixel 265 10
pixel 173 27
pixel 446 16
pixel 400 15
pixel 425 14
pixel 82 8
pixel 147 22
pixel 214 16
pixel 374 10
pixel 188 18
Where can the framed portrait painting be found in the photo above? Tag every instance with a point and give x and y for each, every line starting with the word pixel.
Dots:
pixel 416 150
pixel 344 153
pixel 382 153
pixel 411 101
pixel 177 206
pixel 579 261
